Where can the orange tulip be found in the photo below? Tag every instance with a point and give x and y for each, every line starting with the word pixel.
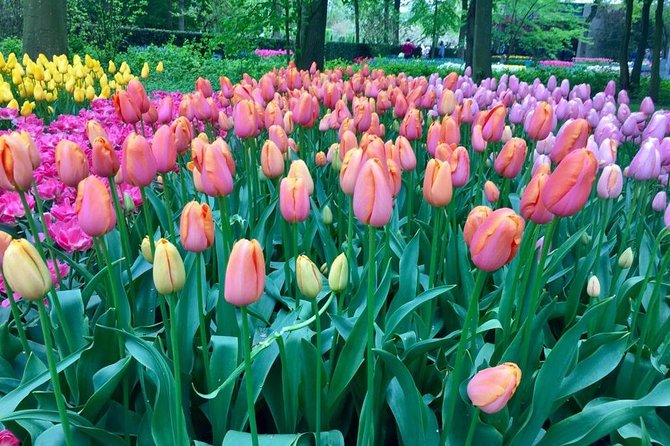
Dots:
pixel 127 110
pixel 568 187
pixel 496 240
pixel 491 192
pixel 293 199
pixel 16 167
pixel 511 157
pixel 183 133
pixel 490 389
pixel 411 126
pixel 104 160
pixel 138 166
pixel 164 148
pixel 244 119
pixel 212 173
pixel 138 95
pixel 494 123
pixel 373 199
pixel 532 207
pixel 437 187
pixel 196 227
pixel 94 130
pixel 245 274
pixel 572 135
pixel 95 211
pixel 475 218
pixel 541 122
pixel 394 177
pixel 272 160
pixel 447 102
pixel 450 131
pixel 71 163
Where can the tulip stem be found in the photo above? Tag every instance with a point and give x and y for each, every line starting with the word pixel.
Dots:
pixel 296 291
pixel 202 317
pixel 167 199
pixel 125 243
pixel 147 221
pixel 410 202
pixel 246 348
pixel 17 315
pixel 315 310
pixel 370 311
pixel 473 427
pixel 469 325
pixel 433 267
pixel 172 304
pixel 350 243
pixel 182 177
pixel 58 394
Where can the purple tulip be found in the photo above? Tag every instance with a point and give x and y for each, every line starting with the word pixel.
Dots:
pixel 599 101
pixel 610 88
pixel 660 201
pixel 610 183
pixel 516 114
pixel 664 149
pixel 646 164
pixel 565 88
pixel 647 106
pixel 608 109
pixel 656 126
pixel 514 83
pixel 622 97
pixel 593 117
pixel 544 147
pixel 666 217
pixel 630 126
pixel 552 83
pixel 607 151
pixel 540 160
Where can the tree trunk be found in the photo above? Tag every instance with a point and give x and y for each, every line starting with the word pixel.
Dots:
pixel 470 33
pixel 481 51
pixel 387 25
pixel 433 50
pixel 298 29
pixel 44 27
pixel 313 34
pixel 641 44
pixel 396 21
pixel 181 15
pixel 655 81
pixel 357 20
pixel 624 75
pixel 462 31
pixel 287 24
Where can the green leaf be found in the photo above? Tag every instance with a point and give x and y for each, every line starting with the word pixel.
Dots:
pixel 409 272
pixel 331 438
pixel 395 318
pixel 105 382
pixel 223 362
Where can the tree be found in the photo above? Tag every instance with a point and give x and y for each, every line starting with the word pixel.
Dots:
pixel 624 74
pixel 312 34
pixel 434 17
pixel 470 33
pixel 481 48
pixel 44 27
pixel 655 81
pixel 641 44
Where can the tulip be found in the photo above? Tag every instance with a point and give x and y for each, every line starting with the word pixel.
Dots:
pixel 511 157
pixel 493 124
pixel 450 132
pixel 308 277
pixel 5 240
pixel 490 389
pixel 169 272
pixel 373 199
pixel 646 164
pixel 593 287
pixel 127 110
pixel 540 121
pixel 475 218
pixel 7 438
pixel 459 161
pixel 348 142
pixel 95 211
pixel 293 199
pixel 16 166
pixel 145 247
pixel 496 240
pixel 196 227
pixel 71 163
pixel 164 111
pixel 478 142
pixel 349 170
pixel 104 160
pixel 568 187
pixel 299 169
pixel 183 133
pixel 659 202
pixel 272 160
pixel 411 126
pixel 245 274
pixel 320 159
pixel 204 86
pixel 138 166
pixel 433 138
pixel 572 135
pixel 277 135
pixel 338 277
pixel 491 192
pixel 25 271
pixel 303 113
pixel 446 103
pixel 666 217
pixel 94 130
pixel 326 215
pixel 138 96
pixel 164 148
pixel 437 186
pixel 532 207
pixel 245 120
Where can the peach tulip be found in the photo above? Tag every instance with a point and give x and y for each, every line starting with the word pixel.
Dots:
pixel 373 199
pixel 496 240
pixel 71 163
pixel 493 123
pixel 95 211
pixel 183 133
pixel 411 126
pixel 299 169
pixel 475 218
pixel 532 207
pixel 490 389
pixel 196 227
pixel 437 187
pixel 541 122
pixel 571 136
pixel 294 199
pixel 16 166
pixel 245 274
pixel 164 148
pixel 272 160
pixel 491 192
pixel 212 172
pixel 138 166
pixel 94 130
pixel 511 157
pixel 104 160
pixel 568 187
pixel 127 110
pixel 244 119
pixel 349 171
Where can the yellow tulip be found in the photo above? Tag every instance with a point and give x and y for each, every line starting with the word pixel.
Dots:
pixel 309 277
pixel 145 71
pixel 338 278
pixel 105 92
pixel 90 93
pixel 2 61
pixel 27 108
pixel 159 67
pixel 38 93
pixel 111 67
pixel 25 270
pixel 79 94
pixel 13 104
pixel 169 273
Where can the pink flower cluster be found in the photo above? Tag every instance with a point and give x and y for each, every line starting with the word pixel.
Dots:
pixel 265 53
pixel 591 60
pixel 557 63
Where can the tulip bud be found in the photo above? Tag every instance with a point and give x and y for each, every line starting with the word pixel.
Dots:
pixel 245 274
pixel 626 258
pixel 491 192
pixel 25 271
pixel 437 186
pixel 272 160
pixel 104 160
pixel 593 287
pixel 196 227
pixel 128 204
pixel 338 278
pixel 169 271
pixel 293 199
pixel 71 163
pixel 145 247
pixel 95 211
pixel 610 183
pixel 138 165
pixel 326 215
pixel 309 277
pixel 659 202
pixel 373 199
pixel 5 240
pixel 496 240
pixel 490 389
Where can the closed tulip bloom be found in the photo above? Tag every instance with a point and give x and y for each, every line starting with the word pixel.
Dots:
pixel 437 187
pixel 169 272
pixel 540 122
pixel 348 142
pixel 450 130
pixel 272 160
pixel 145 248
pixel 610 183
pixel 183 133
pixel 71 163
pixel 138 95
pixel 373 199
pixel 460 166
pixel 433 138
pixel 646 164
pixel 406 156
pixel 28 144
pixel 127 110
pixel 659 202
pixel 25 271
pixel 446 103
pixel 293 199
pixel 394 177
pixel 362 115
pixel 94 130
pixel 16 167
pixel 165 107
pixel 349 171
pixel 299 169
pixel 493 124
pixel 164 148
pixel 104 160
pixel 411 126
pixel 478 142
pixel 338 277
pixel 531 206
pixel 5 240
pixel 95 211
pixel 204 86
pixel 138 166
pixel 666 217
pixel 277 135
pixel 196 227
pixel 308 276
pixel 245 274
pixel 496 240
pixel 511 157
pixel 491 192
pixel 490 389
pixel 213 168
pixel 302 112
pixel 571 136
pixel 244 119
pixel 569 186
pixel 475 218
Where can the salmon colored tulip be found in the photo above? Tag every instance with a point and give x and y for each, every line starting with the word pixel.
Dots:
pixel 348 141
pixel 532 207
pixel 373 199
pixel 16 166
pixel 277 135
pixel 104 160
pixel 349 171
pixel 394 176
pixel 450 130
pixel 400 106
pixel 138 95
pixel 411 126
pixel 288 122
pixel 493 124
pixel 226 87
pixel 164 148
pixel 272 160
pixel 273 115
pixel 320 159
pixel 5 240
pixel 294 199
pixel 569 186
pixel 95 211
pixel 571 136
pixel 446 103
pixel 245 274
pixel 127 110
pixel 138 166
pixel 460 166
pixel 362 115
pixel 511 157
pixel 491 192
pixel 94 130
pixel 165 107
pixel 475 218
pixel 541 122
pixel 490 389
pixel 25 270
pixel 303 112
pixel 183 133
pixel 299 169
pixel 406 155
pixel 444 151
pixel 204 86
pixel 437 187
pixel 244 119
pixel 151 116
pixel 433 137
pixel 196 227
pixel 212 172
pixel 478 142
pixel 169 273
pixel 71 163
pixel 496 240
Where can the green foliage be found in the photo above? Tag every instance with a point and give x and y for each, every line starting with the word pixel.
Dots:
pixel 11 18
pixel 11 45
pixel 431 21
pixel 238 24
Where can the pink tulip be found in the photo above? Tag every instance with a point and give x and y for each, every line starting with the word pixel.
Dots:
pixel 373 199
pixel 293 199
pixel 490 389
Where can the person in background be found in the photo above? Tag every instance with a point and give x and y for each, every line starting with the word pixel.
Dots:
pixel 440 50
pixel 408 48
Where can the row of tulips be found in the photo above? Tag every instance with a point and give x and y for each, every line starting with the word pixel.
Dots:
pixel 192 306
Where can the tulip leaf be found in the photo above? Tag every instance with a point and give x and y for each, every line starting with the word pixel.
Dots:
pixel 409 272
pixel 395 318
pixel 223 362
pixel 330 438
pixel 105 382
